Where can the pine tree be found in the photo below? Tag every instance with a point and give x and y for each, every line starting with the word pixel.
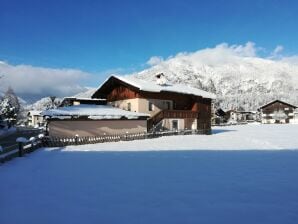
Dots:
pixel 9 106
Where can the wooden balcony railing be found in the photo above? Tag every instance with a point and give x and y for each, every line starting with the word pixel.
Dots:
pixel 179 114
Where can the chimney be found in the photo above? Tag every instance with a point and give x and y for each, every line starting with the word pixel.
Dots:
pixel 161 79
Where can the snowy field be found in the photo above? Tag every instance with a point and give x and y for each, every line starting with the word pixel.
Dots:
pixel 240 174
pixel 244 137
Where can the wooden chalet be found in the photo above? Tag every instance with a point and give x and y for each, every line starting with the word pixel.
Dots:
pixel 277 111
pixel 171 107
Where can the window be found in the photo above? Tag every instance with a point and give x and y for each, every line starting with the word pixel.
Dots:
pixel 286 108
pixel 150 106
pixel 175 124
pixel 174 105
pixel 167 105
pixel 129 106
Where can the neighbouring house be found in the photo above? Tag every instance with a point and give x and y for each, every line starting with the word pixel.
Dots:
pixel 248 116
pixel 93 120
pixel 235 116
pixel 232 116
pixel 35 119
pixel 219 117
pixel 171 106
pixel 277 111
pixel 72 101
pixel 295 118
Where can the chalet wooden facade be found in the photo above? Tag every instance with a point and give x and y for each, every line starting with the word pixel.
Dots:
pixel 170 106
pixel 277 112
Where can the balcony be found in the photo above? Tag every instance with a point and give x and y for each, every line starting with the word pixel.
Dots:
pixel 179 114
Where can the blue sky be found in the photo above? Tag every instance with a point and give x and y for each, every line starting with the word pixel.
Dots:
pixel 105 36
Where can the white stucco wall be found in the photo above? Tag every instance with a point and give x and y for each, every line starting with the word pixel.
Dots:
pixel 142 105
pixel 168 123
pixel 34 120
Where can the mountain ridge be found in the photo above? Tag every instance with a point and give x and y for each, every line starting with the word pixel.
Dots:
pixel 240 82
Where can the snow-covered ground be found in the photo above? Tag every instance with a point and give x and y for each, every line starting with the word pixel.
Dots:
pixel 244 137
pixel 86 185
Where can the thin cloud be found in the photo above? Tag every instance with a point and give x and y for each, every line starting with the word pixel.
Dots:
pixel 277 52
pixel 155 60
pixel 27 80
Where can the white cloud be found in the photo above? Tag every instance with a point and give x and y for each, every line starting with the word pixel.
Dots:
pixel 225 53
pixel 247 50
pixel 278 49
pixel 27 80
pixel 155 60
pixel 276 53
pixel 220 54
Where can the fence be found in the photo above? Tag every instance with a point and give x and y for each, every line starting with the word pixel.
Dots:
pixel 77 140
pixel 21 148
pixel 31 145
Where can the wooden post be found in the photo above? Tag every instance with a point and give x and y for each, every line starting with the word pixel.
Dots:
pixel 76 139
pixel 20 149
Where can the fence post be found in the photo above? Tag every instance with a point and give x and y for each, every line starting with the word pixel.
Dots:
pixel 76 139
pixel 42 139
pixel 20 149
pixel 21 141
pixel 32 140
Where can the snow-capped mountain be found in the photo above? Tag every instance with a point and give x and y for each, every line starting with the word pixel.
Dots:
pixel 43 104
pixel 46 103
pixel 240 81
pixel 86 94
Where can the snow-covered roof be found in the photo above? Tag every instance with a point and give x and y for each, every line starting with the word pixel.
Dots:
pixel 95 112
pixel 83 98
pixel 34 112
pixel 261 107
pixel 150 86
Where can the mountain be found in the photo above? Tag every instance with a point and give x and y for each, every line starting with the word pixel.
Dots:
pixel 46 103
pixel 43 104
pixel 86 94
pixel 239 81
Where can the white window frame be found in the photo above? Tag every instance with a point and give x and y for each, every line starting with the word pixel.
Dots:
pixel 150 106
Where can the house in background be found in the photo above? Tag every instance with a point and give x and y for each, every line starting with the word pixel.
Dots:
pixel 295 118
pixel 35 118
pixel 277 111
pixel 249 116
pixel 219 117
pixel 232 116
pixel 170 106
pixel 93 120
pixel 238 117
